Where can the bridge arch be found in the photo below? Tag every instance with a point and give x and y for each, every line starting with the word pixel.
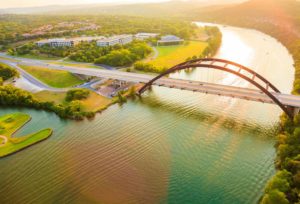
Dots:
pixel 230 67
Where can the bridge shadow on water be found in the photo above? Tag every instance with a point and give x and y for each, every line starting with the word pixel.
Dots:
pixel 194 113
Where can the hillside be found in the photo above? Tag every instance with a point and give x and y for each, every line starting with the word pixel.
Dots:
pixel 280 18
pixel 166 9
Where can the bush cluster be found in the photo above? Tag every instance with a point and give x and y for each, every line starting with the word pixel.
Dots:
pixel 77 94
pixel 7 72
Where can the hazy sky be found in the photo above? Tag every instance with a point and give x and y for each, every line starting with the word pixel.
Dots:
pixel 29 3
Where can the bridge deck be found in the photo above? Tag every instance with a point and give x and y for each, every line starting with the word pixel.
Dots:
pixel 203 87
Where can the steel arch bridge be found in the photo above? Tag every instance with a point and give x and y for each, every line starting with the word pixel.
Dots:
pixel 231 67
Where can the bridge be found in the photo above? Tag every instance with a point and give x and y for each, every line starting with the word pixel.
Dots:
pixel 266 92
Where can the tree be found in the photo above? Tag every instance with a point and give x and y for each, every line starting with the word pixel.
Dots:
pixel 77 94
pixel 121 57
pixel 140 49
pixel 7 72
pixel 274 197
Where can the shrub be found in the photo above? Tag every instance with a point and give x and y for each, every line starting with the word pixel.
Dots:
pixel 7 72
pixel 147 67
pixel 77 94
pixel 274 197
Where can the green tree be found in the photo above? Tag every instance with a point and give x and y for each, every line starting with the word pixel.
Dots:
pixel 274 197
pixel 281 181
pixel 77 94
pixel 7 72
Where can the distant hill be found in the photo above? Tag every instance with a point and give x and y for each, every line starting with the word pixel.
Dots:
pixel 280 18
pixel 172 8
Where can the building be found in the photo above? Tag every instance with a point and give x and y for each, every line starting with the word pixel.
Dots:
pixel 88 38
pixel 120 39
pixel 108 42
pixel 57 42
pixel 169 40
pixel 144 36
pixel 63 42
pixel 124 39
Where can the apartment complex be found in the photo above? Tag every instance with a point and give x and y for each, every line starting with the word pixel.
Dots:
pixel 144 36
pixel 120 39
pixel 63 42
pixel 56 42
pixel 170 40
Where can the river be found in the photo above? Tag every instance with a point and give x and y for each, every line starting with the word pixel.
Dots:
pixel 172 146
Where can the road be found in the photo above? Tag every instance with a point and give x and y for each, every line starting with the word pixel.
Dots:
pixel 202 87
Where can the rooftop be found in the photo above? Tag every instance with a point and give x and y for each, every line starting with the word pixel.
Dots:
pixel 170 38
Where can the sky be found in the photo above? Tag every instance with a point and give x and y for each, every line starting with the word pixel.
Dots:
pixel 34 3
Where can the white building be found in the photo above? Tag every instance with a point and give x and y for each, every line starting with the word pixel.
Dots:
pixel 57 42
pixel 63 42
pixel 124 39
pixel 87 38
pixel 108 42
pixel 120 39
pixel 144 36
pixel 170 39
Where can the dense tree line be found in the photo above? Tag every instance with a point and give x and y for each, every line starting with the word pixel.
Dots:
pixel 6 72
pixel 214 41
pixel 125 56
pixel 12 96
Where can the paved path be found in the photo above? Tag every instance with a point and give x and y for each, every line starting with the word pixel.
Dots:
pixel 156 53
pixel 5 140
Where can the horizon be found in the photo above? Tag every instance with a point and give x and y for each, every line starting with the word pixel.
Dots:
pixel 16 4
pixel 42 3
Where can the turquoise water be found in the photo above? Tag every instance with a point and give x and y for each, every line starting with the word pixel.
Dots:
pixel 171 146
pixel 142 152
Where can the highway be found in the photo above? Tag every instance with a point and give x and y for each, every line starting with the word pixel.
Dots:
pixel 195 86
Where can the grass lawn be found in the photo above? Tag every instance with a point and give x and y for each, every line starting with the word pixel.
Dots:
pixel 56 97
pixel 96 102
pixel 37 57
pixel 11 123
pixel 54 78
pixel 93 103
pixel 172 55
